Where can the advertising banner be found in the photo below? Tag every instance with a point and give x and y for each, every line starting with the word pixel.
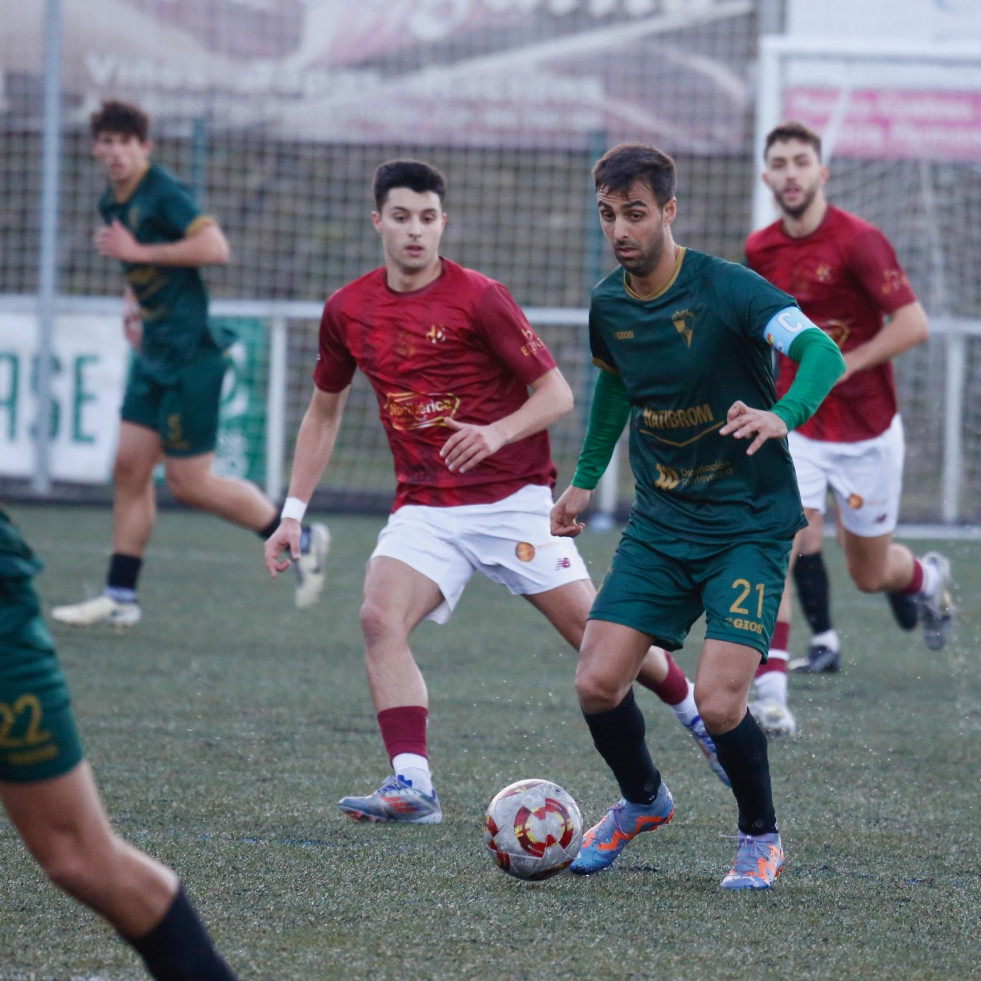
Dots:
pixel 460 72
pixel 89 368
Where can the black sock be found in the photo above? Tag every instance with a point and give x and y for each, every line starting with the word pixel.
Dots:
pixel 618 734
pixel 811 579
pixel 124 570
pixel 742 753
pixel 178 948
pixel 264 533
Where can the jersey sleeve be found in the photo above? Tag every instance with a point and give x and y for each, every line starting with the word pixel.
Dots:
pixel 506 333
pixel 335 365
pixel 179 212
pixel 754 301
pixel 873 262
pixel 598 347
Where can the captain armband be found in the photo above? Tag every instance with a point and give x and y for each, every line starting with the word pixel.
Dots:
pixel 785 326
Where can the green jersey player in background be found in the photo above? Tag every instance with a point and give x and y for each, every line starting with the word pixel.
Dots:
pixel 683 341
pixel 170 408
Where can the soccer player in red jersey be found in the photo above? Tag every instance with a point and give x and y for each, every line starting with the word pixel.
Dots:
pixel 451 358
pixel 845 275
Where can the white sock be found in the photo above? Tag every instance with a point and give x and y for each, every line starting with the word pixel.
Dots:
pixel 414 770
pixel 931 578
pixel 772 686
pixel 685 709
pixel 827 639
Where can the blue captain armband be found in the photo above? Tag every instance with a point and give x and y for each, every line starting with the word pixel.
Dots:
pixel 785 327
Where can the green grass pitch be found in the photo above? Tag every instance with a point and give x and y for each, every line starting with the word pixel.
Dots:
pixel 224 728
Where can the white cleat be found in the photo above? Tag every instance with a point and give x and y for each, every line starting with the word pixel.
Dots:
pixel 100 609
pixel 774 718
pixel 311 569
pixel 937 608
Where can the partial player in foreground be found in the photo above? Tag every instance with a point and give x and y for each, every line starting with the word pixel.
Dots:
pixel 48 790
pixel 170 407
pixel 683 341
pixel 451 358
pixel 845 275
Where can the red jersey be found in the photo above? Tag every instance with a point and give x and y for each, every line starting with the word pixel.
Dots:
pixel 846 277
pixel 459 348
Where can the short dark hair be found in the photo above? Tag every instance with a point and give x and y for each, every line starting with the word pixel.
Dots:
pixel 792 130
pixel 413 174
pixel 114 116
pixel 622 166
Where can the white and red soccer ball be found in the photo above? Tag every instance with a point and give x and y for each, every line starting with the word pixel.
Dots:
pixel 533 829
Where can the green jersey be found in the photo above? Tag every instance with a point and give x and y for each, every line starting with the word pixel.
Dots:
pixel 684 356
pixel 173 299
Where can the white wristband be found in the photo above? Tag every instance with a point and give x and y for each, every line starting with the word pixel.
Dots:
pixel 294 508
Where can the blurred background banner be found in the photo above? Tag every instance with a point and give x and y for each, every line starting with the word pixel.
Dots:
pixel 276 113
pixel 462 72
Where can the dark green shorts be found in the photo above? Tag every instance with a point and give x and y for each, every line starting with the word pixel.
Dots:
pixel 38 739
pixel 184 412
pixel 661 588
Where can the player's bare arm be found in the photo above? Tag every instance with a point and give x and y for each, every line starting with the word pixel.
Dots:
pixel 205 246
pixel 550 399
pixel 742 422
pixel 565 513
pixel 907 327
pixel 314 448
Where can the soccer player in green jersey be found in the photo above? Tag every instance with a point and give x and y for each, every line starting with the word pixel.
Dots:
pixel 47 789
pixel 683 341
pixel 170 408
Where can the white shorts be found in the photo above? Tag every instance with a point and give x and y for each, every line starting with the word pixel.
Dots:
pixel 866 478
pixel 509 541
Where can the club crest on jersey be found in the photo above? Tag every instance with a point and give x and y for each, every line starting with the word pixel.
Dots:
pixel 436 334
pixel 414 410
pixel 133 216
pixel 684 322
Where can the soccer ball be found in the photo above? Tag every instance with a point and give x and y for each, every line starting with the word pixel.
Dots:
pixel 533 829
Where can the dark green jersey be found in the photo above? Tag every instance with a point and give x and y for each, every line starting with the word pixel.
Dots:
pixel 685 355
pixel 173 299
pixel 17 561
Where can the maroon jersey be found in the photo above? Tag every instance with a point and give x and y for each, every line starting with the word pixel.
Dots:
pixel 459 348
pixel 846 277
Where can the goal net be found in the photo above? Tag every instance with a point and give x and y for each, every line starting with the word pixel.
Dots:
pixel 901 131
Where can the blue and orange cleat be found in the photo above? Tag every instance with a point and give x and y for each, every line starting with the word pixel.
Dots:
pixel 759 860
pixel 395 800
pixel 603 842
pixel 707 745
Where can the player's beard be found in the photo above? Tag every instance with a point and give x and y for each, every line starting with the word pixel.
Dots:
pixel 646 260
pixel 810 193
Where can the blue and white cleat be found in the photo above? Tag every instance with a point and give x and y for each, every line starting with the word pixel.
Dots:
pixel 759 860
pixel 395 800
pixel 603 842
pixel 701 736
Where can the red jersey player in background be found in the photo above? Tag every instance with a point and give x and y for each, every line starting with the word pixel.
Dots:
pixel 844 274
pixel 451 359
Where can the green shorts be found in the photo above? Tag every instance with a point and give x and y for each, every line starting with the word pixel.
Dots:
pixel 38 739
pixel 662 587
pixel 183 412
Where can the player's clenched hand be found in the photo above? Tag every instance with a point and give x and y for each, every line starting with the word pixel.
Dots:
pixel 116 241
pixel 469 445
pixel 566 511
pixel 743 422
pixel 286 538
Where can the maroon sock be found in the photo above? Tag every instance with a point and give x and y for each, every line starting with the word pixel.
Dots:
pixel 404 729
pixel 674 688
pixel 916 583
